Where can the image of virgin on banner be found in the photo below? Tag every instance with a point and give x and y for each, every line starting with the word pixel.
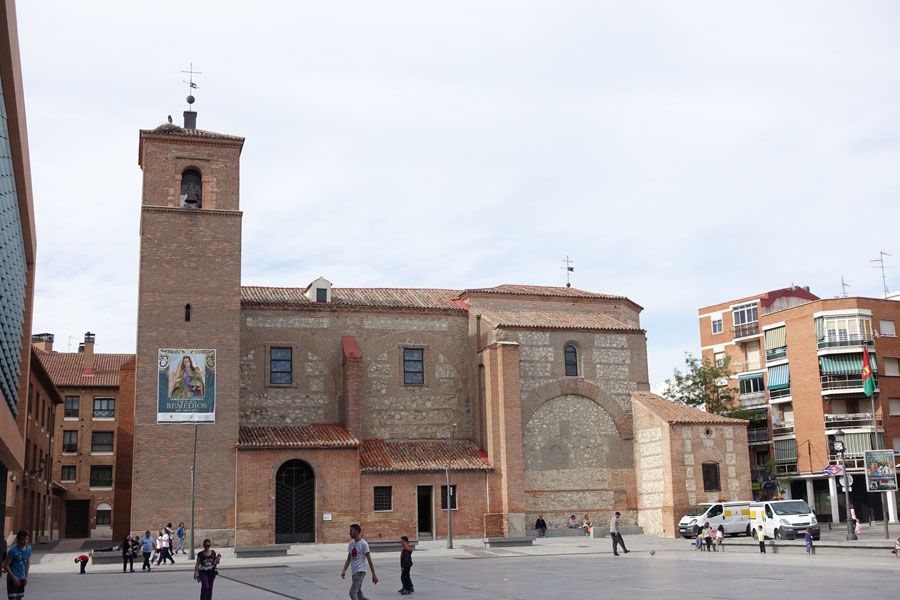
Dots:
pixel 186 386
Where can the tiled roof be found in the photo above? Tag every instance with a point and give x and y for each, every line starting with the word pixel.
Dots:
pixel 304 436
pixel 556 320
pixel 673 412
pixel 380 456
pixel 66 368
pixel 257 296
pixel 541 290
pixel 175 130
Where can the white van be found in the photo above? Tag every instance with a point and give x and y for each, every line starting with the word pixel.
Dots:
pixel 734 517
pixel 786 519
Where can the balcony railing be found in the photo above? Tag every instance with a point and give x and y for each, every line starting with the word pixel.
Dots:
pixel 746 330
pixel 70 412
pixel 850 421
pixel 844 341
pixel 104 413
pixel 69 447
pixel 786 467
pixel 776 354
pixel 782 429
pixel 755 436
pixel 782 393
pixel 752 399
pixel 841 382
pixel 101 481
pixel 747 365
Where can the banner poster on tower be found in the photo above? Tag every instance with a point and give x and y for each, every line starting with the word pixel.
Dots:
pixel 881 471
pixel 186 389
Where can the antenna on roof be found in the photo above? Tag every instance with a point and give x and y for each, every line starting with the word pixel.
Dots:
pixel 569 269
pixel 844 286
pixel 882 266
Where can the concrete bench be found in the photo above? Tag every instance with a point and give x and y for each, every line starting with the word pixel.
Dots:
pixel 505 542
pixel 107 557
pixel 257 551
pixel 390 546
pixel 557 532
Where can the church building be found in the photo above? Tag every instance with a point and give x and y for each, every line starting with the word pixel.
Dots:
pixel 318 406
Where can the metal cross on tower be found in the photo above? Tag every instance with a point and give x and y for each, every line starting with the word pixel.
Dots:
pixel 569 269
pixel 191 85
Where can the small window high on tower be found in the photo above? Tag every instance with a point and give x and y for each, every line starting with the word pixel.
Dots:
pixel 191 189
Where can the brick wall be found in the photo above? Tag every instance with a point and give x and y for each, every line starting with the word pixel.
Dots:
pixel 124 458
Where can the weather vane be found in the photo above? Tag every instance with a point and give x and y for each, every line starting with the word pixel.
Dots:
pixel 569 269
pixel 191 85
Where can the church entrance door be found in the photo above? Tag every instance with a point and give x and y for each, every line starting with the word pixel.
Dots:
pixel 295 503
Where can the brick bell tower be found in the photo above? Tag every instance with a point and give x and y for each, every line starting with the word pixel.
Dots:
pixel 189 298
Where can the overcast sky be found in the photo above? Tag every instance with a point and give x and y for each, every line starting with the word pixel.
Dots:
pixel 682 153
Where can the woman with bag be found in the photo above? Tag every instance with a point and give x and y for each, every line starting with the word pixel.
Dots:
pixel 127 554
pixel 205 569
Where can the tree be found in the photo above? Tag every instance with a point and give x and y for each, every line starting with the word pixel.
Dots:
pixel 704 384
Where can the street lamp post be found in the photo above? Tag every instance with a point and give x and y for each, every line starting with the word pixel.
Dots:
pixel 450 490
pixel 839 450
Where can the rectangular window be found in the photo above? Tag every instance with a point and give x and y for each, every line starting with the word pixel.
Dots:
pixel 321 295
pixel 887 328
pixel 281 366
pixel 892 367
pixel 711 477
pixel 717 326
pixel 413 366
pixel 383 497
pixel 101 475
pixel 70 441
pixel 895 407
pixel 752 384
pixel 104 517
pixel 102 441
pixel 897 444
pixel 71 406
pixel 104 408
pixel 444 497
pixel 720 359
pixel 67 473
pixel 748 313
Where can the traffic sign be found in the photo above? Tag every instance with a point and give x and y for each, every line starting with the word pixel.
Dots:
pixel 846 480
pixel 833 470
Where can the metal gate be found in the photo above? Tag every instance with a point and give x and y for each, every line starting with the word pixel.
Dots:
pixel 295 503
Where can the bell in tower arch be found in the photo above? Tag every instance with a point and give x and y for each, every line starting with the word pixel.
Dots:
pixel 191 189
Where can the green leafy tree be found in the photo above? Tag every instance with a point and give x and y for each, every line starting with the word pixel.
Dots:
pixel 703 384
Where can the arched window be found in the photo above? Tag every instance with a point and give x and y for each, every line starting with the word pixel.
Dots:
pixel 104 514
pixel 571 354
pixel 191 189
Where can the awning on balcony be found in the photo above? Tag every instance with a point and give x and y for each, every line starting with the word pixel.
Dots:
pixel 743 376
pixel 786 450
pixel 856 444
pixel 775 338
pixel 844 364
pixel 779 377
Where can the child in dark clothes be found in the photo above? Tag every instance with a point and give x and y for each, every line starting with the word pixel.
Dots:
pixel 405 566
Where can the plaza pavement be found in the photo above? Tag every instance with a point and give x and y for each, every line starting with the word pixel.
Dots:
pixel 554 568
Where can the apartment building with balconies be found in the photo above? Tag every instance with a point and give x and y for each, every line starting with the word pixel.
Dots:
pixel 796 362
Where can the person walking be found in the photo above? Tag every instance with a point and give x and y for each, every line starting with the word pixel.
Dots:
pixel 357 557
pixel 180 534
pixel 615 535
pixel 146 543
pixel 127 554
pixel 165 548
pixel 541 526
pixel 707 537
pixel 808 540
pixel 17 565
pixel 205 569
pixel 406 564
pixel 761 536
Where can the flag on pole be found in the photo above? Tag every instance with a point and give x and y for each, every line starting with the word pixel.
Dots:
pixel 868 377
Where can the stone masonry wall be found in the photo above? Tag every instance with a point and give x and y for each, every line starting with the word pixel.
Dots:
pixel 391 409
